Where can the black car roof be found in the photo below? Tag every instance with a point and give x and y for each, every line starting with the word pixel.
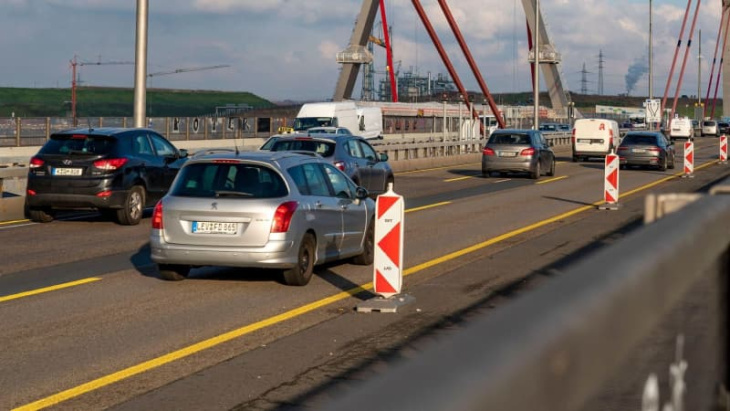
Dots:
pixel 101 131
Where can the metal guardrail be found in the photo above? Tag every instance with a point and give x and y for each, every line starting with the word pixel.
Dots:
pixel 557 347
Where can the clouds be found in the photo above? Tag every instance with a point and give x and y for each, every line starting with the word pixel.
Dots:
pixel 284 49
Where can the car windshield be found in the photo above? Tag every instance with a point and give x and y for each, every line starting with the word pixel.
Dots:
pixel 514 138
pixel 305 123
pixel 323 148
pixel 638 139
pixel 78 144
pixel 224 179
pixel 708 123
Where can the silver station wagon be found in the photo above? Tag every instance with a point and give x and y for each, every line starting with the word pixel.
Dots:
pixel 263 209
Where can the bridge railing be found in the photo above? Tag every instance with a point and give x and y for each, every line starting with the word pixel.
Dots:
pixel 638 324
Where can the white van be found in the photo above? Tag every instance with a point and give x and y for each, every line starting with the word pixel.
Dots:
pixel 593 137
pixel 681 128
pixel 370 123
pixel 330 114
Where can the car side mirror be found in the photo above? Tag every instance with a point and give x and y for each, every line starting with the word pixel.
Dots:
pixel 183 153
pixel 383 157
pixel 361 193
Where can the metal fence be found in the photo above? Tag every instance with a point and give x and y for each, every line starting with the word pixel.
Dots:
pixel 640 325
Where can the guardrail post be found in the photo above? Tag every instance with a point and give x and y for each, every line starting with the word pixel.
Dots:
pixel 17 131
pixel 187 128
pixel 48 128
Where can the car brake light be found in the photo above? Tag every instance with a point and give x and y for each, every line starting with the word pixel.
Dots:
pixel 110 164
pixel 157 217
pixel 226 161
pixel 36 162
pixel 283 216
pixel 573 136
pixel 104 194
pixel 622 148
pixel 79 136
pixel 527 152
pixel 654 149
pixel 488 151
pixel 31 192
pixel 340 165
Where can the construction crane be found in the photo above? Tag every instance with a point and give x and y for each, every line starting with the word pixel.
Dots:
pixel 74 63
pixel 185 70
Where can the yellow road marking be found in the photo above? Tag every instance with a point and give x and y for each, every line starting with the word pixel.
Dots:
pixel 551 180
pixel 503 180
pixel 48 289
pixel 222 338
pixel 457 179
pixel 433 169
pixel 14 222
pixel 410 210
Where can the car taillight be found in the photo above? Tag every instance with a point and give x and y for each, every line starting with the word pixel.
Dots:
pixel 573 136
pixel 527 152
pixel 340 165
pixel 622 148
pixel 654 150
pixel 282 217
pixel 36 162
pixel 488 151
pixel 31 192
pixel 110 164
pixel 157 217
pixel 104 194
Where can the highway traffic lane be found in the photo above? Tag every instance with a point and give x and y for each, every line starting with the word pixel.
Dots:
pixel 354 347
pixel 185 328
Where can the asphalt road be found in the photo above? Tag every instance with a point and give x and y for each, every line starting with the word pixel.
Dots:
pixel 87 324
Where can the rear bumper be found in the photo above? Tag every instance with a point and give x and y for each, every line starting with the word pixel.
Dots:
pixel 494 163
pixel 275 254
pixel 76 201
pixel 640 161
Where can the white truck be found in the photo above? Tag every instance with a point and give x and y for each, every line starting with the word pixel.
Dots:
pixel 361 121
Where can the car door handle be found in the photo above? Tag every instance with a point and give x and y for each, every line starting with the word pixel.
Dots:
pixel 343 206
pixel 318 204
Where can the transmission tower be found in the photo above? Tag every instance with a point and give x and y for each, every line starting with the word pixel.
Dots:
pixel 584 80
pixel 600 72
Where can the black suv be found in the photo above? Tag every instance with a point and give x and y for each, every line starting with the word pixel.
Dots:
pixel 118 171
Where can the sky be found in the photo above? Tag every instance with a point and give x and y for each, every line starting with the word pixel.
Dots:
pixel 285 49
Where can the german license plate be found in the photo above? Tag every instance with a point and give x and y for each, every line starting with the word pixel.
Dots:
pixel 507 154
pixel 638 150
pixel 212 227
pixel 585 140
pixel 67 171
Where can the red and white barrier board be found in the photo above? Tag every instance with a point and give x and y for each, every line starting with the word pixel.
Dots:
pixel 610 182
pixel 723 149
pixel 388 262
pixel 689 158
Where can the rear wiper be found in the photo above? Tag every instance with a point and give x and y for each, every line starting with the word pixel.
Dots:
pixel 79 152
pixel 224 193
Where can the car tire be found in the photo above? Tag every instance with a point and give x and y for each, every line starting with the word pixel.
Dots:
pixel 663 166
pixel 575 158
pixel 40 215
pixel 301 273
pixel 486 174
pixel 174 272
pixel 551 172
pixel 133 208
pixel 368 254
pixel 535 174
pixel 671 164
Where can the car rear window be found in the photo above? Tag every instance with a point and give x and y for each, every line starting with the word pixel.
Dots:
pixel 224 179
pixel 708 123
pixel 79 144
pixel 638 139
pixel 323 148
pixel 521 138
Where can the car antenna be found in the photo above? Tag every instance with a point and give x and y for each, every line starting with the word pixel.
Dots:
pixel 235 145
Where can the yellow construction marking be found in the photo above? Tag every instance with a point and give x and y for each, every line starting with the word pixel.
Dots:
pixel 551 180
pixel 222 338
pixel 410 210
pixel 14 222
pixel 48 289
pixel 503 180
pixel 457 179
pixel 433 169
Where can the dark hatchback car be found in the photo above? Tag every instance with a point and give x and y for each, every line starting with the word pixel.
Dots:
pixel 118 171
pixel 646 148
pixel 351 154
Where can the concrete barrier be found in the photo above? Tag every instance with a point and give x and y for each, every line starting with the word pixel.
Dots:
pixel 12 193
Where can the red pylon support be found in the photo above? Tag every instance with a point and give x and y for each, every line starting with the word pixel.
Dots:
pixel 722 57
pixel 684 62
pixel 445 59
pixel 388 53
pixel 674 59
pixel 714 60
pixel 470 60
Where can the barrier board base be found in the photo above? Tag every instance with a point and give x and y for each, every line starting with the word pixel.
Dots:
pixel 607 206
pixel 385 305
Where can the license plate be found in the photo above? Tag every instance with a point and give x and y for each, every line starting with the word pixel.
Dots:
pixel 508 154
pixel 638 150
pixel 585 140
pixel 67 171
pixel 212 227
